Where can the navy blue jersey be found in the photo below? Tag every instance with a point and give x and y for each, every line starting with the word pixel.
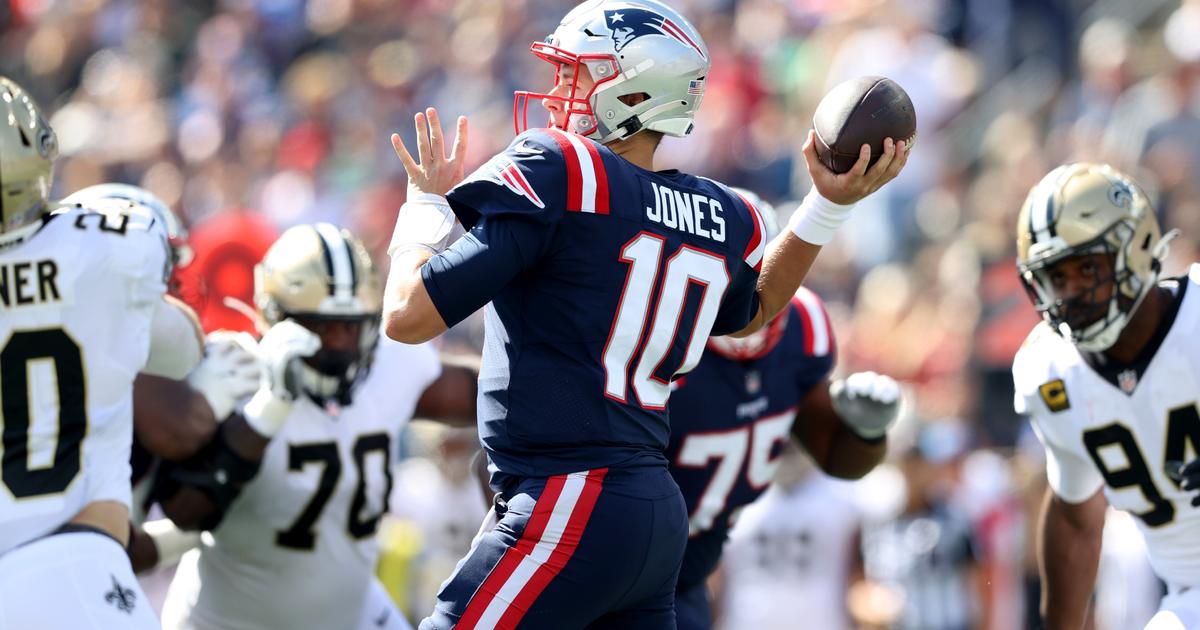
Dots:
pixel 730 420
pixel 605 281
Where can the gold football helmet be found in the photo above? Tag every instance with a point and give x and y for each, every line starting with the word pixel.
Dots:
pixel 321 277
pixel 1086 209
pixel 28 148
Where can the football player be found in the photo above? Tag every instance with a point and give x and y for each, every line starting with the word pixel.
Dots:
pixel 81 292
pixel 605 278
pixel 732 415
pixel 1110 380
pixel 297 548
pixel 175 413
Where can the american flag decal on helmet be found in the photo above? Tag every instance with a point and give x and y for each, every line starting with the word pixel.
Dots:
pixel 503 171
pixel 696 87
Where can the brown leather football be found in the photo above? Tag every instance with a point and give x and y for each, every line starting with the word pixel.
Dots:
pixel 862 111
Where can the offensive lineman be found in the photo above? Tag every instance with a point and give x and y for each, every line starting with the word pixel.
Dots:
pixel 605 278
pixel 1110 380
pixel 297 547
pixel 79 291
pixel 733 414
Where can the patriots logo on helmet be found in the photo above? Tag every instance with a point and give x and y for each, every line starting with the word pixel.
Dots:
pixel 629 24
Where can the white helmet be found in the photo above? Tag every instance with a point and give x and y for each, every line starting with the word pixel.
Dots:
pixel 28 147
pixel 628 47
pixel 759 342
pixel 177 234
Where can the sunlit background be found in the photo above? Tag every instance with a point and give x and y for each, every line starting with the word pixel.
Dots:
pixel 248 116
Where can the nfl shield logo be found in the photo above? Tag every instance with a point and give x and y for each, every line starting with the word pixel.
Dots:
pixel 753 382
pixel 1128 381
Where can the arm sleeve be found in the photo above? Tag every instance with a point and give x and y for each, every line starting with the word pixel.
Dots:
pixel 463 278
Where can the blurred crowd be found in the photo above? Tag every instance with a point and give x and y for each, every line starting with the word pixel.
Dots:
pixel 248 116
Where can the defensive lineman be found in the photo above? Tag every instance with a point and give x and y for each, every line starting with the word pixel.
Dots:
pixel 1111 380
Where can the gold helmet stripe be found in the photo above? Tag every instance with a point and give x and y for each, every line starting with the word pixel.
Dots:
pixel 338 260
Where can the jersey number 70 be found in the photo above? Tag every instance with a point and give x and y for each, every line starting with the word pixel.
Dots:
pixel 629 338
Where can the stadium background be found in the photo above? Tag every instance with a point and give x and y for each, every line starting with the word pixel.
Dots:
pixel 248 116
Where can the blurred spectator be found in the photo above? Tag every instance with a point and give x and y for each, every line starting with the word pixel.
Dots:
pixel 436 508
pixel 927 559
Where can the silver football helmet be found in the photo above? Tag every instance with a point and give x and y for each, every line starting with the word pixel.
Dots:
pixel 28 148
pixel 628 47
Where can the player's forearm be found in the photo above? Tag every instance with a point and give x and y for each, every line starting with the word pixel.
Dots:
pixel 409 315
pixel 171 419
pixel 785 265
pixel 1069 554
pixel 849 456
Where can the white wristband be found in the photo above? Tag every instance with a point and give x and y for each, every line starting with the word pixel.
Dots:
pixel 266 413
pixel 425 222
pixel 817 218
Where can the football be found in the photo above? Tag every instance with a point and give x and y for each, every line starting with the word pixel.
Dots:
pixel 862 111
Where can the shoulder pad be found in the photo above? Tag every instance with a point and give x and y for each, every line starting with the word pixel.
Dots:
pixel 530 177
pixel 818 330
pixel 756 227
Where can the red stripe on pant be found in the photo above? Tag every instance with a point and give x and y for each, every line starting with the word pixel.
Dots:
pixel 562 553
pixel 563 550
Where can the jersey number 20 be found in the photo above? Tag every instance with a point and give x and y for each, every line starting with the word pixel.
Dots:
pixel 24 349
pixel 686 267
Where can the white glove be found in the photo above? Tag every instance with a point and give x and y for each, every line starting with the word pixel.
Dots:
pixel 867 402
pixel 229 372
pixel 280 352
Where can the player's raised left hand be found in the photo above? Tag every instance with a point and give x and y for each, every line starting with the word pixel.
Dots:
pixel 854 185
pixel 435 173
pixel 867 402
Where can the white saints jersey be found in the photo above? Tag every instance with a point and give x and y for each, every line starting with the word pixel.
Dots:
pixel 297 548
pixel 789 557
pixel 76 300
pixel 1123 428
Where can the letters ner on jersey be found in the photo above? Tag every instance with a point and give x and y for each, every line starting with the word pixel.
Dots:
pixel 76 301
pixel 634 270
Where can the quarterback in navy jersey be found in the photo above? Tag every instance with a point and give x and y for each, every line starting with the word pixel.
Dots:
pixel 733 413
pixel 605 277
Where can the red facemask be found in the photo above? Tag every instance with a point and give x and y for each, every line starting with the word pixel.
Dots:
pixel 573 104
